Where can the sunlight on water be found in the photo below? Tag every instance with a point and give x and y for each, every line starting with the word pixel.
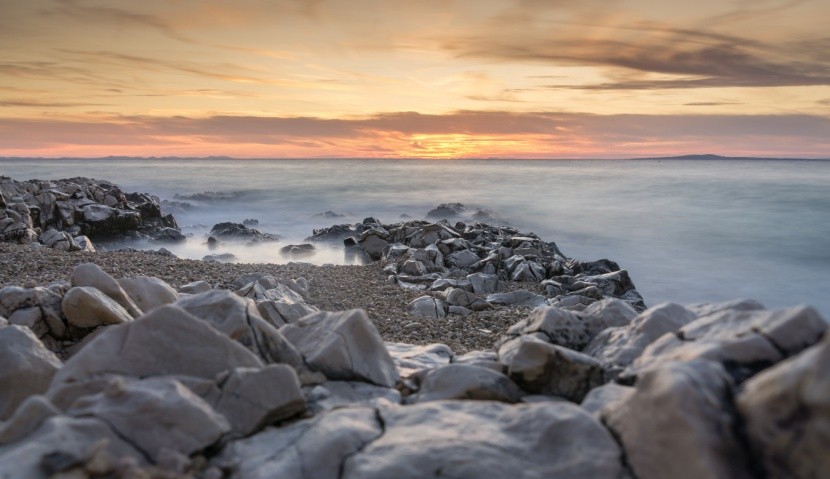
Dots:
pixel 686 230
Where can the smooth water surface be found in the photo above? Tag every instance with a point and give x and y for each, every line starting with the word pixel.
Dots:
pixel 687 230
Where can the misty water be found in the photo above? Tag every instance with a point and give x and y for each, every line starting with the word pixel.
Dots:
pixel 687 230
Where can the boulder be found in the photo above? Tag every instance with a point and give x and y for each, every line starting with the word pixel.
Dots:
pixel 464 381
pixel 166 341
pixel 428 307
pixel 26 367
pixel 195 287
pixel 62 443
pixel 607 313
pixel 677 423
pixel 154 414
pixel 605 396
pixel 239 320
pixel 147 292
pixel 484 284
pixel 169 235
pixel 28 416
pixel 463 259
pixel 482 440
pixel 251 398
pixel 563 327
pixel 519 297
pixel 343 346
pixel 786 412
pixel 87 307
pixel 539 367
pixel 336 394
pixel 15 298
pixel 90 274
pixel 309 449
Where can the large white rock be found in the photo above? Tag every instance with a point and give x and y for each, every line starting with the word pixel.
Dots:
pixel 148 292
pixel 166 341
pixel 411 358
pixel 14 298
pixel 239 319
pixel 30 414
pixel 310 449
pixel 155 414
pixel 90 274
pixel 482 440
pixel 251 398
pixel 563 327
pixel 464 381
pixel 786 410
pixel 343 346
pixel 86 307
pixel 618 347
pixel 542 368
pixel 71 440
pixel 743 340
pixel 26 367
pixel 678 424
pixel 607 313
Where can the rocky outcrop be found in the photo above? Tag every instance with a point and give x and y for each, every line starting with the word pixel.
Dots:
pixel 65 214
pixel 240 232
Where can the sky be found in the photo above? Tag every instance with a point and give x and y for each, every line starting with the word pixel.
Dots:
pixel 414 79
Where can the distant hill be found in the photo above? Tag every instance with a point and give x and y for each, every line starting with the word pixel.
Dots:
pixel 719 157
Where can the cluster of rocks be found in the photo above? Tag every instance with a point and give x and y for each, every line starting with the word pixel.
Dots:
pixel 239 232
pixel 252 382
pixel 462 268
pixel 68 214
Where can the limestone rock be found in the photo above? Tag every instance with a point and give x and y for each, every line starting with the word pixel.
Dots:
pixel 26 367
pixel 251 398
pixel 344 346
pixel 87 307
pixel 63 441
pixel 239 319
pixel 678 408
pixel 90 274
pixel 786 410
pixel 155 414
pixel 309 449
pixel 464 381
pixel 428 307
pixel 542 368
pixel 482 440
pixel 166 341
pixel 410 358
pixel 147 292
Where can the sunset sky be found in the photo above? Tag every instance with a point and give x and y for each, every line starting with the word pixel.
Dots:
pixel 426 78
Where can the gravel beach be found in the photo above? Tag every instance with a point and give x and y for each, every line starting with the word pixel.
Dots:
pixel 332 288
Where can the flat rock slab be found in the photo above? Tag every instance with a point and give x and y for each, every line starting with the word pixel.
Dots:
pixel 482 439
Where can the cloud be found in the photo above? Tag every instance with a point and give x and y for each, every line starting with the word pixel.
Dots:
pixel 395 134
pixel 710 103
pixel 44 104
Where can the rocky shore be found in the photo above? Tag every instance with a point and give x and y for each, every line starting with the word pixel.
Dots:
pixel 465 350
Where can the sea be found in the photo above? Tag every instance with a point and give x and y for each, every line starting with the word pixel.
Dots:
pixel 687 230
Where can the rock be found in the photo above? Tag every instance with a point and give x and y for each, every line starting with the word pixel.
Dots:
pixel 447 211
pixel 427 307
pixel 61 443
pixel 743 341
pixel 677 408
pixel 618 347
pixel 413 268
pixel 463 259
pixel 26 367
pixel 195 287
pixel 255 222
pixel 239 320
pixel 562 327
pixel 31 318
pixel 542 368
pixel 484 284
pixel 479 439
pixel 147 292
pixel 169 235
pixel 444 284
pixel 605 396
pixel 410 358
pixel 464 381
pixel 529 271
pixel 220 258
pixel 785 412
pixel 238 231
pixel 607 313
pixel 166 341
pixel 28 417
pixel 312 448
pixel 251 398
pixel 86 307
pixel 519 297
pixel 336 394
pixel 90 274
pixel 154 414
pixel 343 346
pixel 705 309
pixel 459 297
pixel 373 245
pixel 85 244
